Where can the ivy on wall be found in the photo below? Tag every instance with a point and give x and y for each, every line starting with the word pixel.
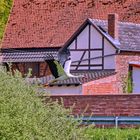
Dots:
pixel 127 83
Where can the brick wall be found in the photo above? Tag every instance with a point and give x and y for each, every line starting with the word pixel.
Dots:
pixel 122 67
pixel 107 85
pixel 115 83
pixel 102 105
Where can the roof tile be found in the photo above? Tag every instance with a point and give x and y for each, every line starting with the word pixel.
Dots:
pixel 129 34
pixel 47 23
pixel 28 56
pixel 89 76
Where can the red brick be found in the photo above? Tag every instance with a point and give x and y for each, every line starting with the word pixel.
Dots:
pixel 103 105
pixel 101 86
pixel 122 67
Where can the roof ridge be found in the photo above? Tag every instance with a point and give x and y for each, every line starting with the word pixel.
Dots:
pixel 120 22
pixel 97 20
pixel 130 23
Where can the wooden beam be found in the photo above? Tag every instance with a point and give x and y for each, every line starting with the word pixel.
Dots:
pixel 80 59
pixel 84 65
pixel 76 43
pixel 103 52
pixel 95 58
pixel 96 49
pixel 89 47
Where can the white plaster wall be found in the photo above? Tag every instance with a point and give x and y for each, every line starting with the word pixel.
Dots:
pixel 84 62
pixel 96 39
pixel 96 61
pixel 83 68
pixel 85 57
pixel 96 68
pixel 108 48
pixel 72 45
pixel 82 39
pixel 94 54
pixel 73 67
pixel 64 90
pixel 109 62
pixel 76 55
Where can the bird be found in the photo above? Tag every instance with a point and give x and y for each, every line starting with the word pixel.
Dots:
pixel 59 71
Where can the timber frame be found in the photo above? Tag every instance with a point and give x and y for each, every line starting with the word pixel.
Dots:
pixel 88 23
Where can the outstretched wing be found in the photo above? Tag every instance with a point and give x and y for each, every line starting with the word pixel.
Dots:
pixel 55 68
pixel 67 65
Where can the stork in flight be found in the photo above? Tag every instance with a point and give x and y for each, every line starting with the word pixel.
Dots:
pixel 60 72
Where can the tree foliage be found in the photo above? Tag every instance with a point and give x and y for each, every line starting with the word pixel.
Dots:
pixel 5 6
pixel 23 115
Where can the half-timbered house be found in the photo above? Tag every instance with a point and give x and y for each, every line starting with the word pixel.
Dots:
pixel 107 53
pixel 103 51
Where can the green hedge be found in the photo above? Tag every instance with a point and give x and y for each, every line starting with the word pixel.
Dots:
pixel 113 134
pixel 23 116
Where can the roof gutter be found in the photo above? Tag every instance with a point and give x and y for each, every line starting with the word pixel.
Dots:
pixel 124 50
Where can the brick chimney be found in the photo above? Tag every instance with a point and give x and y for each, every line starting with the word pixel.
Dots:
pixel 113 25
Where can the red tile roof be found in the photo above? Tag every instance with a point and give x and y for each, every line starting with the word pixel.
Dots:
pixel 50 23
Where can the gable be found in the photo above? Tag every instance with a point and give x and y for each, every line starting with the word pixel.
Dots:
pixel 90 50
pixel 82 39
pixel 96 39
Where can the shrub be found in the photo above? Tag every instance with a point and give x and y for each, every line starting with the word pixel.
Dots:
pixel 23 115
pixel 113 134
